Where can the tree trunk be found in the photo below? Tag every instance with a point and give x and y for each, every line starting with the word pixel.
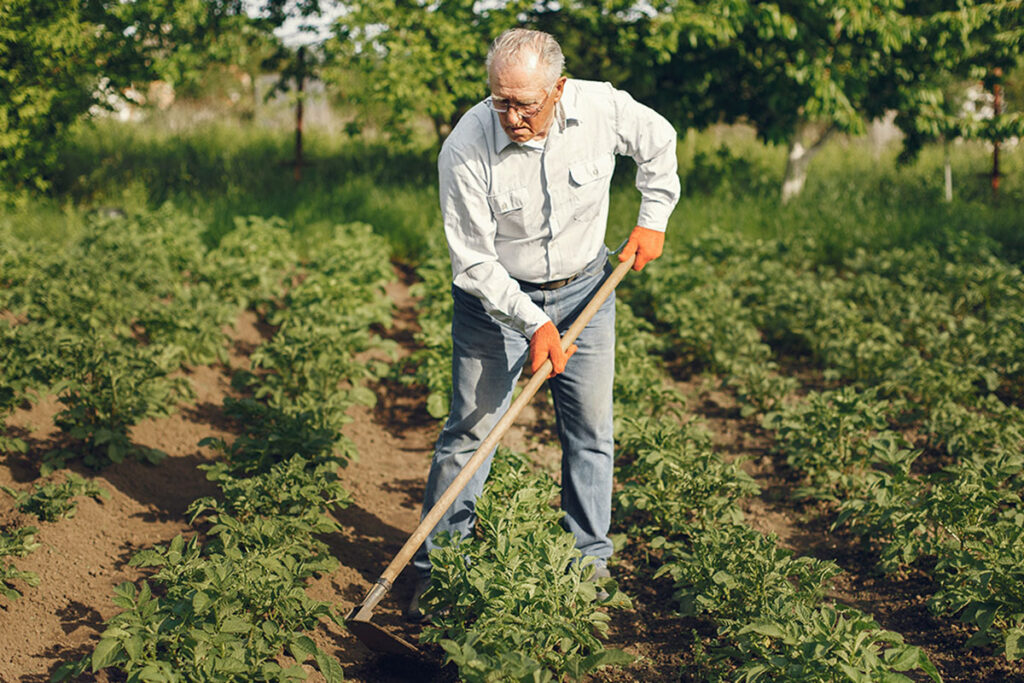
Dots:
pixel 799 158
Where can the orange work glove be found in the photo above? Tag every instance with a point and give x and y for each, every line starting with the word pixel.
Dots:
pixel 545 343
pixel 646 244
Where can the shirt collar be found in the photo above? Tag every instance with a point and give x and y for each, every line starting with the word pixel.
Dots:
pixel 565 111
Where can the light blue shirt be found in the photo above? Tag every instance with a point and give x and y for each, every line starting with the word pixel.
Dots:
pixel 538 212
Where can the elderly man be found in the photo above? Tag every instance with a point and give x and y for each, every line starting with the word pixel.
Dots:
pixel 524 180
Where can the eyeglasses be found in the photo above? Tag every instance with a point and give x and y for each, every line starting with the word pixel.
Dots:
pixel 525 111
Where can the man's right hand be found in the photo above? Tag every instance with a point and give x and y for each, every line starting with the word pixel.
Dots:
pixel 545 344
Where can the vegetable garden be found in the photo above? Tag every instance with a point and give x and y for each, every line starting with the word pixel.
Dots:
pixel 882 391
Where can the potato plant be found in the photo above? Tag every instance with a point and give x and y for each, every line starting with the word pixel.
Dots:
pixel 51 502
pixel 430 364
pixel 106 389
pixel 513 602
pixel 17 542
pixel 324 324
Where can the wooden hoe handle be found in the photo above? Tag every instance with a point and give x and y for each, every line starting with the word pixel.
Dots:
pixel 435 513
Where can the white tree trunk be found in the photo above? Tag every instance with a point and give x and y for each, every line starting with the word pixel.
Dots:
pixel 799 159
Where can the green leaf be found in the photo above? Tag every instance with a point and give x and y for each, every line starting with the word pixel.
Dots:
pixel 329 667
pixel 200 601
pixel 1014 636
pixel 765 629
pixel 611 657
pixel 363 396
pixel 302 648
pixel 106 653
pixel 906 658
pixel 133 647
pixel 235 624
pixel 70 670
pixel 437 405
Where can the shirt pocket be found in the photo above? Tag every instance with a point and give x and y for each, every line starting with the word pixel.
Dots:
pixel 589 182
pixel 508 210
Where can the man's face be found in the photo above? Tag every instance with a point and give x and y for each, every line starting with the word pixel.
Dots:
pixel 523 86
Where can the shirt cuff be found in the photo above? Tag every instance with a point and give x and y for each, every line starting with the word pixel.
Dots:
pixel 653 215
pixel 532 319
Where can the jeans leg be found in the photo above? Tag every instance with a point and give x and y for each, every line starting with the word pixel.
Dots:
pixel 583 411
pixel 487 358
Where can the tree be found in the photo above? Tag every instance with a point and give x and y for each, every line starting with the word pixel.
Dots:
pixel 58 58
pixel 46 82
pixel 416 59
pixel 967 43
pixel 800 71
pixel 797 71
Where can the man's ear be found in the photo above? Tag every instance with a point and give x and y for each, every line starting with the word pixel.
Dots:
pixel 559 87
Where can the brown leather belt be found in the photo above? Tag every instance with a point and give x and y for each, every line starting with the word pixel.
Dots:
pixel 554 284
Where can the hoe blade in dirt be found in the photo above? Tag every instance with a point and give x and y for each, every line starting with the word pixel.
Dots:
pixel 373 636
pixel 358 620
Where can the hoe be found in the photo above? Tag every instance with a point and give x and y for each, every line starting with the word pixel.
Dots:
pixel 358 620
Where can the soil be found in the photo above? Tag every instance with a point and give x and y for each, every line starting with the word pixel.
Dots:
pixel 81 559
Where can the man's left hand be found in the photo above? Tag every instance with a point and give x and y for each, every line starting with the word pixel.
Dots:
pixel 646 244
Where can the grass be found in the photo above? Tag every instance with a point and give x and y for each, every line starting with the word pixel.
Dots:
pixel 220 169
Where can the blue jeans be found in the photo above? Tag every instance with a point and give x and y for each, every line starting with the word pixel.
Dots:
pixel 487 359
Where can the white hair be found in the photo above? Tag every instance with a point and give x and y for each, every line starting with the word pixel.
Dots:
pixel 517 45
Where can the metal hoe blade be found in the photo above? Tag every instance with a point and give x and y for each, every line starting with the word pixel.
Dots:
pixel 379 640
pixel 373 636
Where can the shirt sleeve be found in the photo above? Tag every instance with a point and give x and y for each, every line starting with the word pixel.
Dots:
pixel 650 140
pixel 470 231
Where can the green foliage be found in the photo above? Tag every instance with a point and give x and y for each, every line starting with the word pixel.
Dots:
pixel 839 63
pixel 50 502
pixel 833 437
pixel 251 263
pixel 16 543
pixel 723 172
pixel 915 435
pixel 430 364
pixel 671 478
pixel 769 607
pixel 106 389
pixel 224 614
pixel 718 566
pixel 59 59
pixel 283 491
pixel 269 436
pixel 639 374
pixel 44 85
pixel 514 602
pixel 418 61
pixel 226 607
pixel 324 324
pixel 107 321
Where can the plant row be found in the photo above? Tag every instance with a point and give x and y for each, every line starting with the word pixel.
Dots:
pixel 909 420
pixel 226 602
pixel 680 498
